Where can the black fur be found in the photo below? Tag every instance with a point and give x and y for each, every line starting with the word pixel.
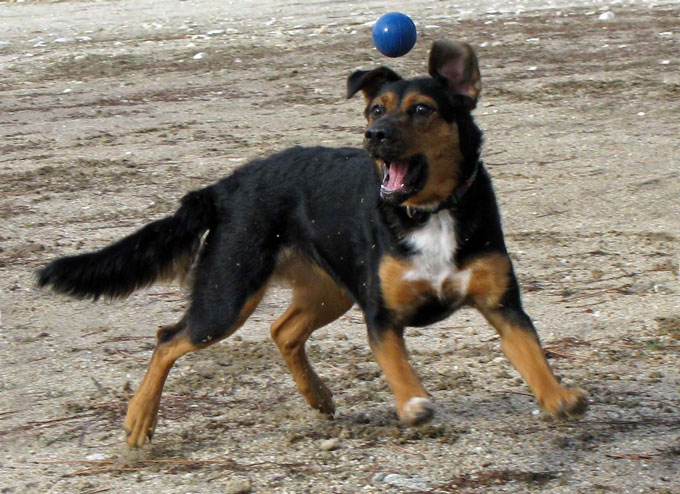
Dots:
pixel 135 261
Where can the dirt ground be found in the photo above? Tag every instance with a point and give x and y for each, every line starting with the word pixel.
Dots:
pixel 111 111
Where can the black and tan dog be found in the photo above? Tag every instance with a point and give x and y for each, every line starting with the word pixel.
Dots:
pixel 408 229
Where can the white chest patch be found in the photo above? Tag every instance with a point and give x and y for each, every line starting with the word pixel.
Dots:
pixel 435 246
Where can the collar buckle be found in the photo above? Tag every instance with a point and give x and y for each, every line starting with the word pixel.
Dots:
pixel 417 215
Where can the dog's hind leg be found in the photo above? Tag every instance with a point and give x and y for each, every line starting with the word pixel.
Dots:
pixel 173 342
pixel 223 297
pixel 317 301
pixel 142 412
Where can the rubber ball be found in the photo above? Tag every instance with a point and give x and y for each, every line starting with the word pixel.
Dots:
pixel 394 34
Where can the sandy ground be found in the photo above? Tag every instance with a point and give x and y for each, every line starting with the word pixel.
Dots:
pixel 111 111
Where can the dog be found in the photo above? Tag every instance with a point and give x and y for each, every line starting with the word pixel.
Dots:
pixel 407 228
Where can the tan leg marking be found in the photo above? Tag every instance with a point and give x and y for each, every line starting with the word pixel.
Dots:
pixel 413 404
pixel 142 413
pixel 519 342
pixel 523 349
pixel 317 301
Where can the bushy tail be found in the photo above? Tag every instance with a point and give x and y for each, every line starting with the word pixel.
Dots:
pixel 163 249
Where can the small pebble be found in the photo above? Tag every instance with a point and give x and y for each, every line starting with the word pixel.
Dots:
pixel 379 477
pixel 330 444
pixel 239 486
pixel 393 478
pixel 96 457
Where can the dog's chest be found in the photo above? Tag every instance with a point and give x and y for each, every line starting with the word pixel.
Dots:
pixel 426 285
pixel 433 260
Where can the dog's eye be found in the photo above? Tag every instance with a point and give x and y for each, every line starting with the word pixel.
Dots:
pixel 377 111
pixel 423 110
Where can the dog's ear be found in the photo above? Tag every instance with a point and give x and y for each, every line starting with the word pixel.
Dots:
pixel 456 65
pixel 370 81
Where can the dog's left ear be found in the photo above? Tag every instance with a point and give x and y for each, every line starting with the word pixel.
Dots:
pixel 455 63
pixel 370 81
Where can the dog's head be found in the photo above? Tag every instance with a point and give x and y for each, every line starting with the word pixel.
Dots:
pixel 420 131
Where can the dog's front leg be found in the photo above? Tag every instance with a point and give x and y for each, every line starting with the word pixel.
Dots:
pixel 520 344
pixel 414 406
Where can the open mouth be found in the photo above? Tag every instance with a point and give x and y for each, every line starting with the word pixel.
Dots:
pixel 402 178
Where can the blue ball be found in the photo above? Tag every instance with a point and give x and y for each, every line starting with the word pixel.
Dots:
pixel 394 34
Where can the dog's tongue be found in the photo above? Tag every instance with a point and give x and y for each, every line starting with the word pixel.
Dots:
pixel 396 174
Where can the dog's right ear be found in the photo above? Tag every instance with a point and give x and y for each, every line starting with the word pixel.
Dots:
pixel 456 65
pixel 370 81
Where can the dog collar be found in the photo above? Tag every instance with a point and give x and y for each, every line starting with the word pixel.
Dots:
pixel 453 201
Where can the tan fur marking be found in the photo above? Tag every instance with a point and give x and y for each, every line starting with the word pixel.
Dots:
pixel 488 280
pixel 389 100
pixel 399 295
pixel 412 99
pixel 248 308
pixel 142 413
pixel 391 354
pixel 317 301
pixel 440 145
pixel 524 351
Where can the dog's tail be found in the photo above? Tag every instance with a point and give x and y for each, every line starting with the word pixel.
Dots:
pixel 162 250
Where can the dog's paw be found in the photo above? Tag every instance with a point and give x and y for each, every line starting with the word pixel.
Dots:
pixel 566 403
pixel 417 411
pixel 140 422
pixel 320 398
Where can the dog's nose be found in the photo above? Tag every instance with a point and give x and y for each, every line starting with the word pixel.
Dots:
pixel 375 134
